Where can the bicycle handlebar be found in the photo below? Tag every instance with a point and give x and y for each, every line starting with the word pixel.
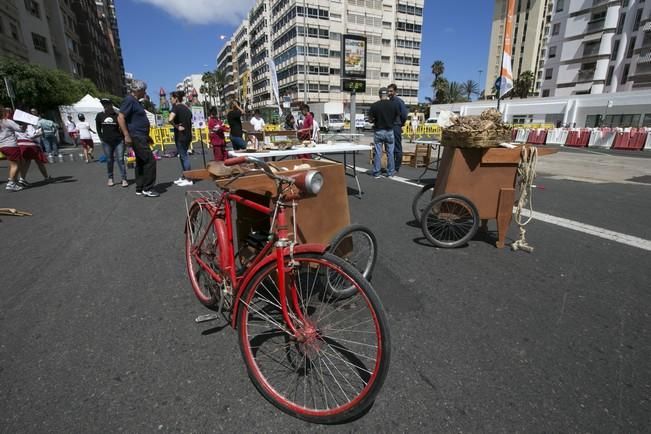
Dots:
pixel 258 163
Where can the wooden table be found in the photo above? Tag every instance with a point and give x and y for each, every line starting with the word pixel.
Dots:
pixel 321 149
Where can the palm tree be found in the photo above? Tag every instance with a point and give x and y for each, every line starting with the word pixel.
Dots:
pixel 523 85
pixel 438 68
pixel 470 88
pixel 455 92
pixel 441 88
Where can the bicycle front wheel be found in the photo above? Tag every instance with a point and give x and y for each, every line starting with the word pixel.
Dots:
pixel 333 367
pixel 203 245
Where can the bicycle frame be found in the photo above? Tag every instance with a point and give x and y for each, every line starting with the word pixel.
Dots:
pixel 276 249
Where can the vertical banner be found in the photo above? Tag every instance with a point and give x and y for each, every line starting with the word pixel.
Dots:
pixel 506 74
pixel 274 83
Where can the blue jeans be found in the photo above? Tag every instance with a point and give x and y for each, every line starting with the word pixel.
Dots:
pixel 397 153
pixel 51 144
pixel 384 140
pixel 109 152
pixel 182 151
pixel 238 143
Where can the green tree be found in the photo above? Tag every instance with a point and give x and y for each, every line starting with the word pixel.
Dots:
pixel 441 88
pixel 455 92
pixel 470 88
pixel 42 88
pixel 438 68
pixel 523 85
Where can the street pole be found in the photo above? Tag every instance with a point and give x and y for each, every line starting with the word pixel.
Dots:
pixel 353 111
pixel 304 52
pixel 480 71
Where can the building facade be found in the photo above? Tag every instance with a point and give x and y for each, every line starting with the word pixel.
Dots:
pixel 530 32
pixel 79 37
pixel 598 46
pixel 304 41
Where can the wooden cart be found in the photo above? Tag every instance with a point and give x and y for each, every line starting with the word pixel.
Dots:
pixel 474 184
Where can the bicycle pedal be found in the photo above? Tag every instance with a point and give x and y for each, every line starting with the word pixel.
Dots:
pixel 207 317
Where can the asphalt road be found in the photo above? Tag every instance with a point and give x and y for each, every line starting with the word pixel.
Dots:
pixel 97 329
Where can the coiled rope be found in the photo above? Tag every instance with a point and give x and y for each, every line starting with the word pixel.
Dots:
pixel 526 175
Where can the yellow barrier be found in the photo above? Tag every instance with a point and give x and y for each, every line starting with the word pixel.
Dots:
pixel 423 130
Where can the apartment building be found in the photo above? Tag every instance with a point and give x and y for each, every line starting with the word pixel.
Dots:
pixel 598 46
pixel 229 69
pixel 304 40
pixel 77 36
pixel 531 27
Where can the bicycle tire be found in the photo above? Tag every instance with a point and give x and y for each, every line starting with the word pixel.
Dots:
pixel 357 245
pixel 356 370
pixel 421 200
pixel 449 221
pixel 205 288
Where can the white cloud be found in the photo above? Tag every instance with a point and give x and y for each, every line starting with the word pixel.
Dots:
pixel 205 11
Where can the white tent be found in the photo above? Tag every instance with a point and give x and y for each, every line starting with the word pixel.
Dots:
pixel 89 106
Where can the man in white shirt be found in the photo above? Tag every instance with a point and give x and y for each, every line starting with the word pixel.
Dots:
pixel 257 121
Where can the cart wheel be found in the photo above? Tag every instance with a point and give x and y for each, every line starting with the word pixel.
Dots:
pixel 421 200
pixel 356 244
pixel 449 221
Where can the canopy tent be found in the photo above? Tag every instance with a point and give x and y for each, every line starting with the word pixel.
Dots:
pixel 89 106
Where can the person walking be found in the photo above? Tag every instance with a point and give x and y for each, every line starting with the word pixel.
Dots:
pixel 398 123
pixel 71 129
pixel 86 138
pixel 383 114
pixel 257 121
pixel 217 128
pixel 109 133
pixel 305 132
pixel 134 125
pixel 9 147
pixel 50 136
pixel 181 119
pixel 234 118
pixel 30 150
pixel 414 124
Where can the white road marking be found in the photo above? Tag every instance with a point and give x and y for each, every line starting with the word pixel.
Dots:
pixel 596 231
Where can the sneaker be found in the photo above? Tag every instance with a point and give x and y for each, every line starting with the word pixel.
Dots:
pixel 184 183
pixel 138 193
pixel 13 186
pixel 179 181
pixel 125 183
pixel 386 175
pixel 48 179
pixel 110 182
pixel 23 183
pixel 377 175
pixel 150 193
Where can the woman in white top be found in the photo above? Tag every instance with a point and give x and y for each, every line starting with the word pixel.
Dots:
pixel 9 147
pixel 414 124
pixel 85 137
pixel 257 122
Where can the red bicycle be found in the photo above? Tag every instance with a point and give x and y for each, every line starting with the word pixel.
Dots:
pixel 312 331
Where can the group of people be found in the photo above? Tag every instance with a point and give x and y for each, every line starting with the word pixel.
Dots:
pixel 388 116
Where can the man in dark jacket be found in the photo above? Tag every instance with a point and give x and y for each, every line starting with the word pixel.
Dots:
pixel 398 123
pixel 383 114
pixel 109 133
pixel 134 125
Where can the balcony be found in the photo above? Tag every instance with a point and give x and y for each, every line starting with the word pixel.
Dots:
pixel 598 2
pixel 595 26
pixel 591 50
pixel 585 75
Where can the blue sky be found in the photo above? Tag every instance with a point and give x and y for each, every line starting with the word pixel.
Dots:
pixel 164 41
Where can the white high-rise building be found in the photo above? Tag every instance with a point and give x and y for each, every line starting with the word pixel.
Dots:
pixel 304 40
pixel 598 46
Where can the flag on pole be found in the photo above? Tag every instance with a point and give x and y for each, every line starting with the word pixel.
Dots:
pixel 274 84
pixel 506 74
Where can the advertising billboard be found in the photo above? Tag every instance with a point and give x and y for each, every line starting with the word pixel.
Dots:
pixel 353 49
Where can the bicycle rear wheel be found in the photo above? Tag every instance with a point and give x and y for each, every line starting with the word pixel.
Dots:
pixel 333 368
pixel 357 245
pixel 203 243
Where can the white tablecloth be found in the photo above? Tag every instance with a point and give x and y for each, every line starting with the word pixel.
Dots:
pixel 336 148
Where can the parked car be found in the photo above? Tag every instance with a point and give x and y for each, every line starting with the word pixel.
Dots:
pixel 430 121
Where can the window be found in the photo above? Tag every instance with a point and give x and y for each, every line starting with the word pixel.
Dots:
pixel 552 52
pixel 386 25
pixel 559 5
pixel 40 43
pixel 548 73
pixel 620 24
pixel 545 93
pixel 14 31
pixel 613 56
pixel 638 18
pixel 625 73
pixel 556 29
pixel 609 76
pixel 33 8
pixel 631 48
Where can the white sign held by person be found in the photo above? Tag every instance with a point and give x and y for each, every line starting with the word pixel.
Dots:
pixel 21 116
